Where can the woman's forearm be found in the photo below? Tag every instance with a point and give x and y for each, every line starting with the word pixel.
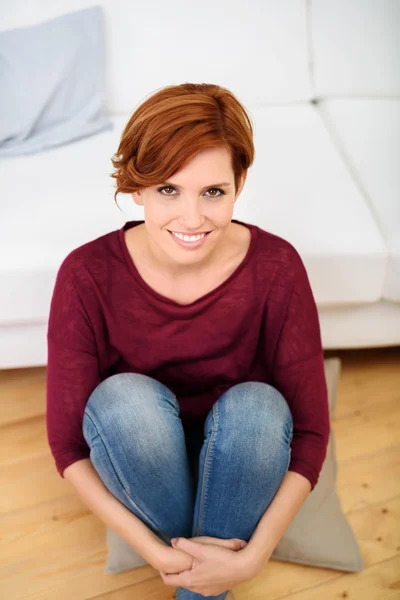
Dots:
pixel 289 498
pixel 91 489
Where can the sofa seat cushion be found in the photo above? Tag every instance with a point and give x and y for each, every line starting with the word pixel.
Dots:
pixel 300 188
pixel 368 134
pixel 53 202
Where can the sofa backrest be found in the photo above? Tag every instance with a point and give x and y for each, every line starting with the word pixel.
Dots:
pixel 265 51
pixel 355 48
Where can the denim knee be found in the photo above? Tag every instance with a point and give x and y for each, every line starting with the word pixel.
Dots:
pixel 125 394
pixel 252 408
pixel 138 449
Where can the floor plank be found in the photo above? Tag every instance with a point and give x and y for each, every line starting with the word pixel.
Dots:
pixel 379 582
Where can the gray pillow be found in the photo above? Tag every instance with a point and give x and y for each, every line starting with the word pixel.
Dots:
pixel 318 536
pixel 52 81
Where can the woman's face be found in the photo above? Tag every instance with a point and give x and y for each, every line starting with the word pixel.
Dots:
pixel 198 199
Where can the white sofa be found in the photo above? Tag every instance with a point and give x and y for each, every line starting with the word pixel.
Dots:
pixel 321 81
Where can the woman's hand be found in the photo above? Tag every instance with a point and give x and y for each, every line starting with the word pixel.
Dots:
pixel 176 561
pixel 212 565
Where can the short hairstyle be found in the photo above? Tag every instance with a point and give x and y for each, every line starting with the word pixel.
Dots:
pixel 169 128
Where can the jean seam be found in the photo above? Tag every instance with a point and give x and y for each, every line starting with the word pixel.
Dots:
pixel 207 467
pixel 123 486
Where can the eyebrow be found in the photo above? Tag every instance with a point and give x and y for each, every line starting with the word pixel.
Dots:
pixel 224 184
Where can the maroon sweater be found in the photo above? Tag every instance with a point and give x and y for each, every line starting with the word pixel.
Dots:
pixel 261 324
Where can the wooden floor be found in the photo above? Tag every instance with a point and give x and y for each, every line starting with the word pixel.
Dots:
pixel 53 547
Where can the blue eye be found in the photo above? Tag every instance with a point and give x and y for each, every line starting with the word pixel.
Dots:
pixel 160 190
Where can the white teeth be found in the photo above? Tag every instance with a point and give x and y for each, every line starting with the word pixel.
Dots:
pixel 188 238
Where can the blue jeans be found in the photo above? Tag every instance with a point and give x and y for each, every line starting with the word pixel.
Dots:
pixel 216 478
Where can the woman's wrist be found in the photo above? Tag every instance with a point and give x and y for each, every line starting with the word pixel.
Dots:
pixel 154 551
pixel 250 562
pixel 159 553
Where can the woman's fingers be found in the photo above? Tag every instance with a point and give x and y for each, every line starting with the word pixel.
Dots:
pixel 231 544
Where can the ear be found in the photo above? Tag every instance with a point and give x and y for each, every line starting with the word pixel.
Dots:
pixel 138 197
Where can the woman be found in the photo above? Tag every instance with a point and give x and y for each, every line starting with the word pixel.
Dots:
pixel 186 393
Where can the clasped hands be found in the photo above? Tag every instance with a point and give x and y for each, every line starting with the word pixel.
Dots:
pixel 207 565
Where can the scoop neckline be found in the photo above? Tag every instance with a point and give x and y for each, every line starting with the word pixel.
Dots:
pixel 164 299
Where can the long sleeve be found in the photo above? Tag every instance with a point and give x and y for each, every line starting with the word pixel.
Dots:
pixel 72 371
pixel 298 373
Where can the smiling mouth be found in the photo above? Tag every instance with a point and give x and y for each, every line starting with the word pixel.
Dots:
pixel 190 234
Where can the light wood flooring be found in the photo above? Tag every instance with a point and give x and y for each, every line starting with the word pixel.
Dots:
pixel 53 548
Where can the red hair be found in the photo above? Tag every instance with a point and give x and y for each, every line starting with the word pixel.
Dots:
pixel 169 128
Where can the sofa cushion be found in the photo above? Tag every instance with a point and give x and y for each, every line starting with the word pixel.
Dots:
pixel 319 535
pixel 52 82
pixel 367 131
pixel 53 202
pixel 355 48
pixel 300 188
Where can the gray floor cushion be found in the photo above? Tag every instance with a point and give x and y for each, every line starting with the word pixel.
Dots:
pixel 318 536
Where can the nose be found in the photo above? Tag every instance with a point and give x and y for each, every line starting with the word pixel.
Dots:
pixel 190 214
